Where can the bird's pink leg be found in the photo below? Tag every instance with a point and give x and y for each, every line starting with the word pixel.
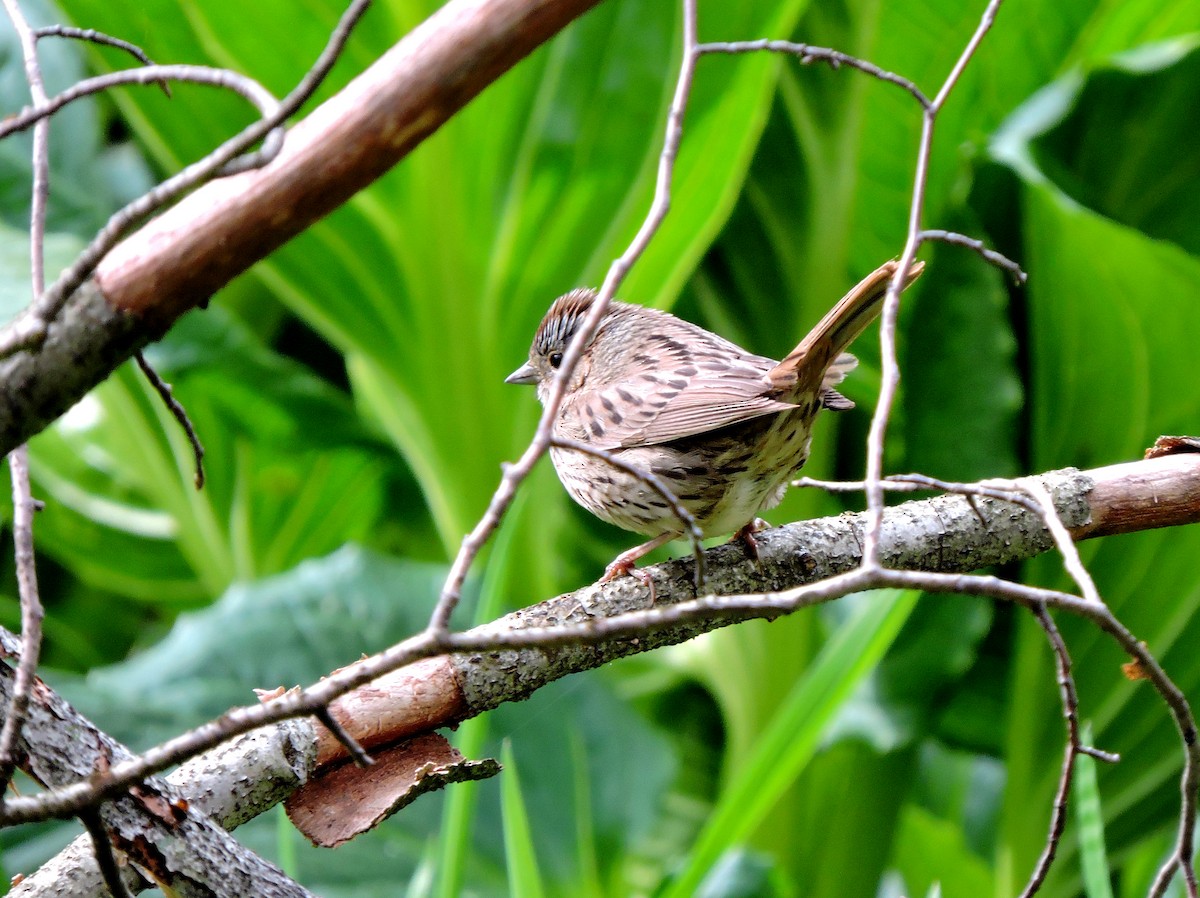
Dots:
pixel 624 563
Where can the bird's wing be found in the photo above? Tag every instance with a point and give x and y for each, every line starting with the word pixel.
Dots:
pixel 697 385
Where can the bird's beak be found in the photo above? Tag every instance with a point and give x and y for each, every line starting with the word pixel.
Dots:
pixel 526 374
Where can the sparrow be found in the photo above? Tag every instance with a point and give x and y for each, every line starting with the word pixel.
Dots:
pixel 725 429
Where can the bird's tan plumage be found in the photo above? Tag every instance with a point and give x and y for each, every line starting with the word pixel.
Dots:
pixel 724 428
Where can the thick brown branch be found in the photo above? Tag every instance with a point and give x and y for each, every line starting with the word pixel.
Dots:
pixel 177 261
pixel 184 256
pixel 1143 495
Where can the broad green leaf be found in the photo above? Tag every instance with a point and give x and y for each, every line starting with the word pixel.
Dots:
pixel 921 40
pixel 960 371
pixel 292 472
pixel 1152 88
pixel 902 698
pixel 930 854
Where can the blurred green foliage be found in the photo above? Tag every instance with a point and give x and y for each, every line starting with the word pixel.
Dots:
pixel 349 392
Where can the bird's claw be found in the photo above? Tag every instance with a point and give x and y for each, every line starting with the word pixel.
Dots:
pixel 746 537
pixel 623 567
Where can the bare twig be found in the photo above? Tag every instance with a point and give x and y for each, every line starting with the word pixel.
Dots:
pixel 178 412
pixel 1074 747
pixel 24 507
pixel 18 460
pixel 352 746
pixel 907 483
pixel 1028 493
pixel 243 86
pixel 1062 539
pixel 90 35
pixel 990 255
pixel 103 849
pixel 890 381
pixel 808 53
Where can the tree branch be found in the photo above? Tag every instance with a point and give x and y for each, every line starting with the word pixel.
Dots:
pixel 177 261
pixel 155 824
pixel 423 684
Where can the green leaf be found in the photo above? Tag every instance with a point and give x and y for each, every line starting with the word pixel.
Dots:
pixel 292 471
pixel 523 877
pixel 959 359
pixel 905 694
pixel 1093 857
pixel 930 854
pixel 1149 187
pixel 16 283
pixel 743 874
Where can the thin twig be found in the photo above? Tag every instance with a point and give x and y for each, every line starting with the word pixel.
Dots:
pixel 908 483
pixel 242 85
pixel 990 255
pixel 1062 539
pixel 32 613
pixel 178 412
pixel 890 381
pixel 106 860
pixel 18 460
pixel 353 748
pixel 1074 747
pixel 808 53
pixel 1030 494
pixel 515 473
pixel 686 518
pixel 90 35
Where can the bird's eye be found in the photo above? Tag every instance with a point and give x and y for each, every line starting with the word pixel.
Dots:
pixel 555 359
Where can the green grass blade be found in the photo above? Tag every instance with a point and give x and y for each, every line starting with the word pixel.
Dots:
pixel 794 735
pixel 1093 857
pixel 523 876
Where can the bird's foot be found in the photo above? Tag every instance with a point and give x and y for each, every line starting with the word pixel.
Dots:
pixel 623 568
pixel 746 536
pixel 624 563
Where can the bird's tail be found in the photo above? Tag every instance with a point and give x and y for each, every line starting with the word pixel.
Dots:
pixel 821 352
